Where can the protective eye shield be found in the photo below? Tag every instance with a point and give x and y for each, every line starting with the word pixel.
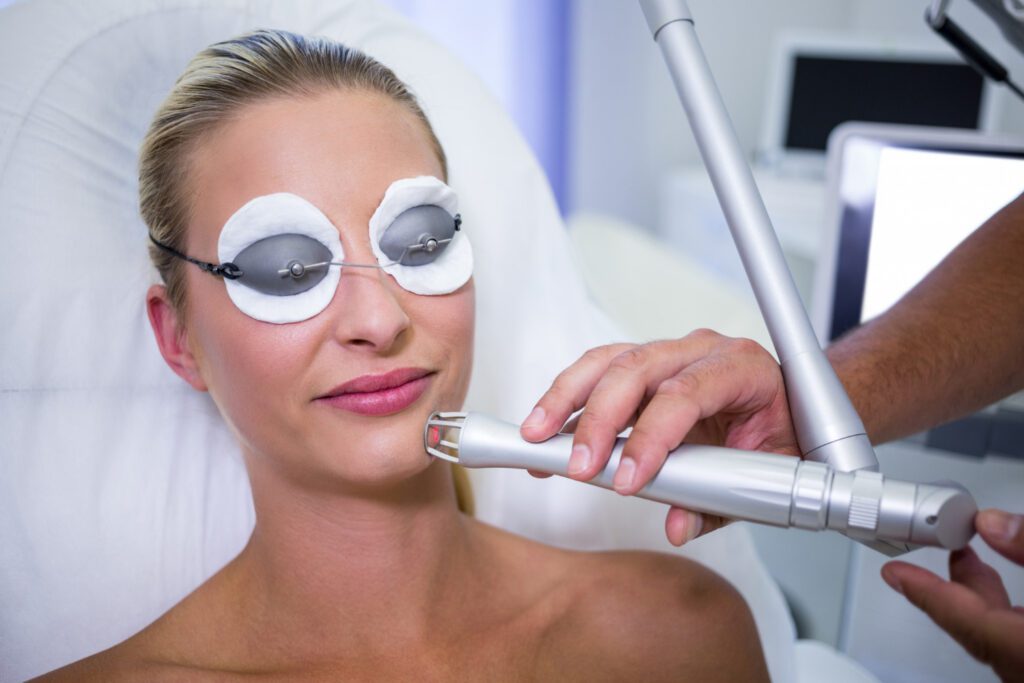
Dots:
pixel 289 263
pixel 277 251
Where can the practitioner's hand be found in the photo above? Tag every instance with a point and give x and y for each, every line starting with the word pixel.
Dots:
pixel 974 607
pixel 704 388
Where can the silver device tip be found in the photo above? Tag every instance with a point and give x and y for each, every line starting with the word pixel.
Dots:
pixel 441 435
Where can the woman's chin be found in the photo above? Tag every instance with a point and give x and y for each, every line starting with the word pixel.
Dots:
pixel 362 450
pixel 388 454
pixel 391 475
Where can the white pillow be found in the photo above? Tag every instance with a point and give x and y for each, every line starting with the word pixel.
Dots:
pixel 623 264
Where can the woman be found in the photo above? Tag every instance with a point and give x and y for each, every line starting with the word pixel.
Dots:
pixel 363 563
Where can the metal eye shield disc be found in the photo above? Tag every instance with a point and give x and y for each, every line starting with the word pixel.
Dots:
pixel 419 225
pixel 262 261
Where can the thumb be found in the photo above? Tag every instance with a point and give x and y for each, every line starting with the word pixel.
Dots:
pixel 1003 531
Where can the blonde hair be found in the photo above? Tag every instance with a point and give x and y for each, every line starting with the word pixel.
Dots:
pixel 215 85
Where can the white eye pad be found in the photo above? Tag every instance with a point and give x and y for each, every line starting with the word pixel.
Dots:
pixel 408 232
pixel 276 252
pixel 274 233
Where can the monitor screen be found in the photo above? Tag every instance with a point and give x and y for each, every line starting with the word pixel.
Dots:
pixel 903 208
pixel 828 90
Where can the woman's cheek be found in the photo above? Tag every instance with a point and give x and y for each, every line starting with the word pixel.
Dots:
pixel 251 372
pixel 462 333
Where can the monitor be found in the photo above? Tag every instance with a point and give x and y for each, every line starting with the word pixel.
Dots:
pixel 818 82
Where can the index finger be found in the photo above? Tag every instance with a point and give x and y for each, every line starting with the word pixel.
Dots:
pixel 628 379
pixel 956 609
pixel 707 387
pixel 569 392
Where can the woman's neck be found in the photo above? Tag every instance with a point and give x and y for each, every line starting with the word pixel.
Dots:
pixel 345 569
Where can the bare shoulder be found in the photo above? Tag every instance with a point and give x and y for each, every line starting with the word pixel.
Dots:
pixel 654 616
pixel 103 666
pixel 123 662
pixel 156 653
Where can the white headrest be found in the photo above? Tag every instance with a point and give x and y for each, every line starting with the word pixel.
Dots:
pixel 120 488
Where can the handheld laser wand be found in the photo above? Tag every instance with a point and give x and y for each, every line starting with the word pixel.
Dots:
pixel 836 486
pixel 781 490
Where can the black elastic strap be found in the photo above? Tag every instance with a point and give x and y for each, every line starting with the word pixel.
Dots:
pixel 228 270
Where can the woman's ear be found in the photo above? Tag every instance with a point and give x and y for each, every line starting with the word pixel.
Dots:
pixel 172 337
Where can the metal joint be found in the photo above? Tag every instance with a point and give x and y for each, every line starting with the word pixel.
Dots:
pixel 227 270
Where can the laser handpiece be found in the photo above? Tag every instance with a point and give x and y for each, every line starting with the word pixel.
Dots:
pixel 893 516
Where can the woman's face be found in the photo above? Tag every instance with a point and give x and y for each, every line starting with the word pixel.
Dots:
pixel 340 151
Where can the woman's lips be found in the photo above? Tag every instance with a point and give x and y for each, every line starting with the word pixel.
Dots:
pixel 383 402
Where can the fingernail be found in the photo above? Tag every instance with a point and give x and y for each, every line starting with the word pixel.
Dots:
pixel 999 524
pixel 580 458
pixel 535 418
pixel 891 579
pixel 624 475
pixel 694 525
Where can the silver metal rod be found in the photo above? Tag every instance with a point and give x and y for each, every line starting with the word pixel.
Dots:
pixel 828 428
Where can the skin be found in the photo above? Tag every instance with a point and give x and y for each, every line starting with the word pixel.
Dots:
pixel 360 566
pixel 950 346
pixel 973 606
pixel 696 388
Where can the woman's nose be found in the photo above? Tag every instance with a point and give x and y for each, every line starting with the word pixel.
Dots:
pixel 366 310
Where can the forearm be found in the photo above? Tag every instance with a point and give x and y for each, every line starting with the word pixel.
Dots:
pixel 952 345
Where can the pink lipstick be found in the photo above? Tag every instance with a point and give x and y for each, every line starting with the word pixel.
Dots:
pixel 380 394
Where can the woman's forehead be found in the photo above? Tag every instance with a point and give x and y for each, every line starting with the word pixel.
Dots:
pixel 339 150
